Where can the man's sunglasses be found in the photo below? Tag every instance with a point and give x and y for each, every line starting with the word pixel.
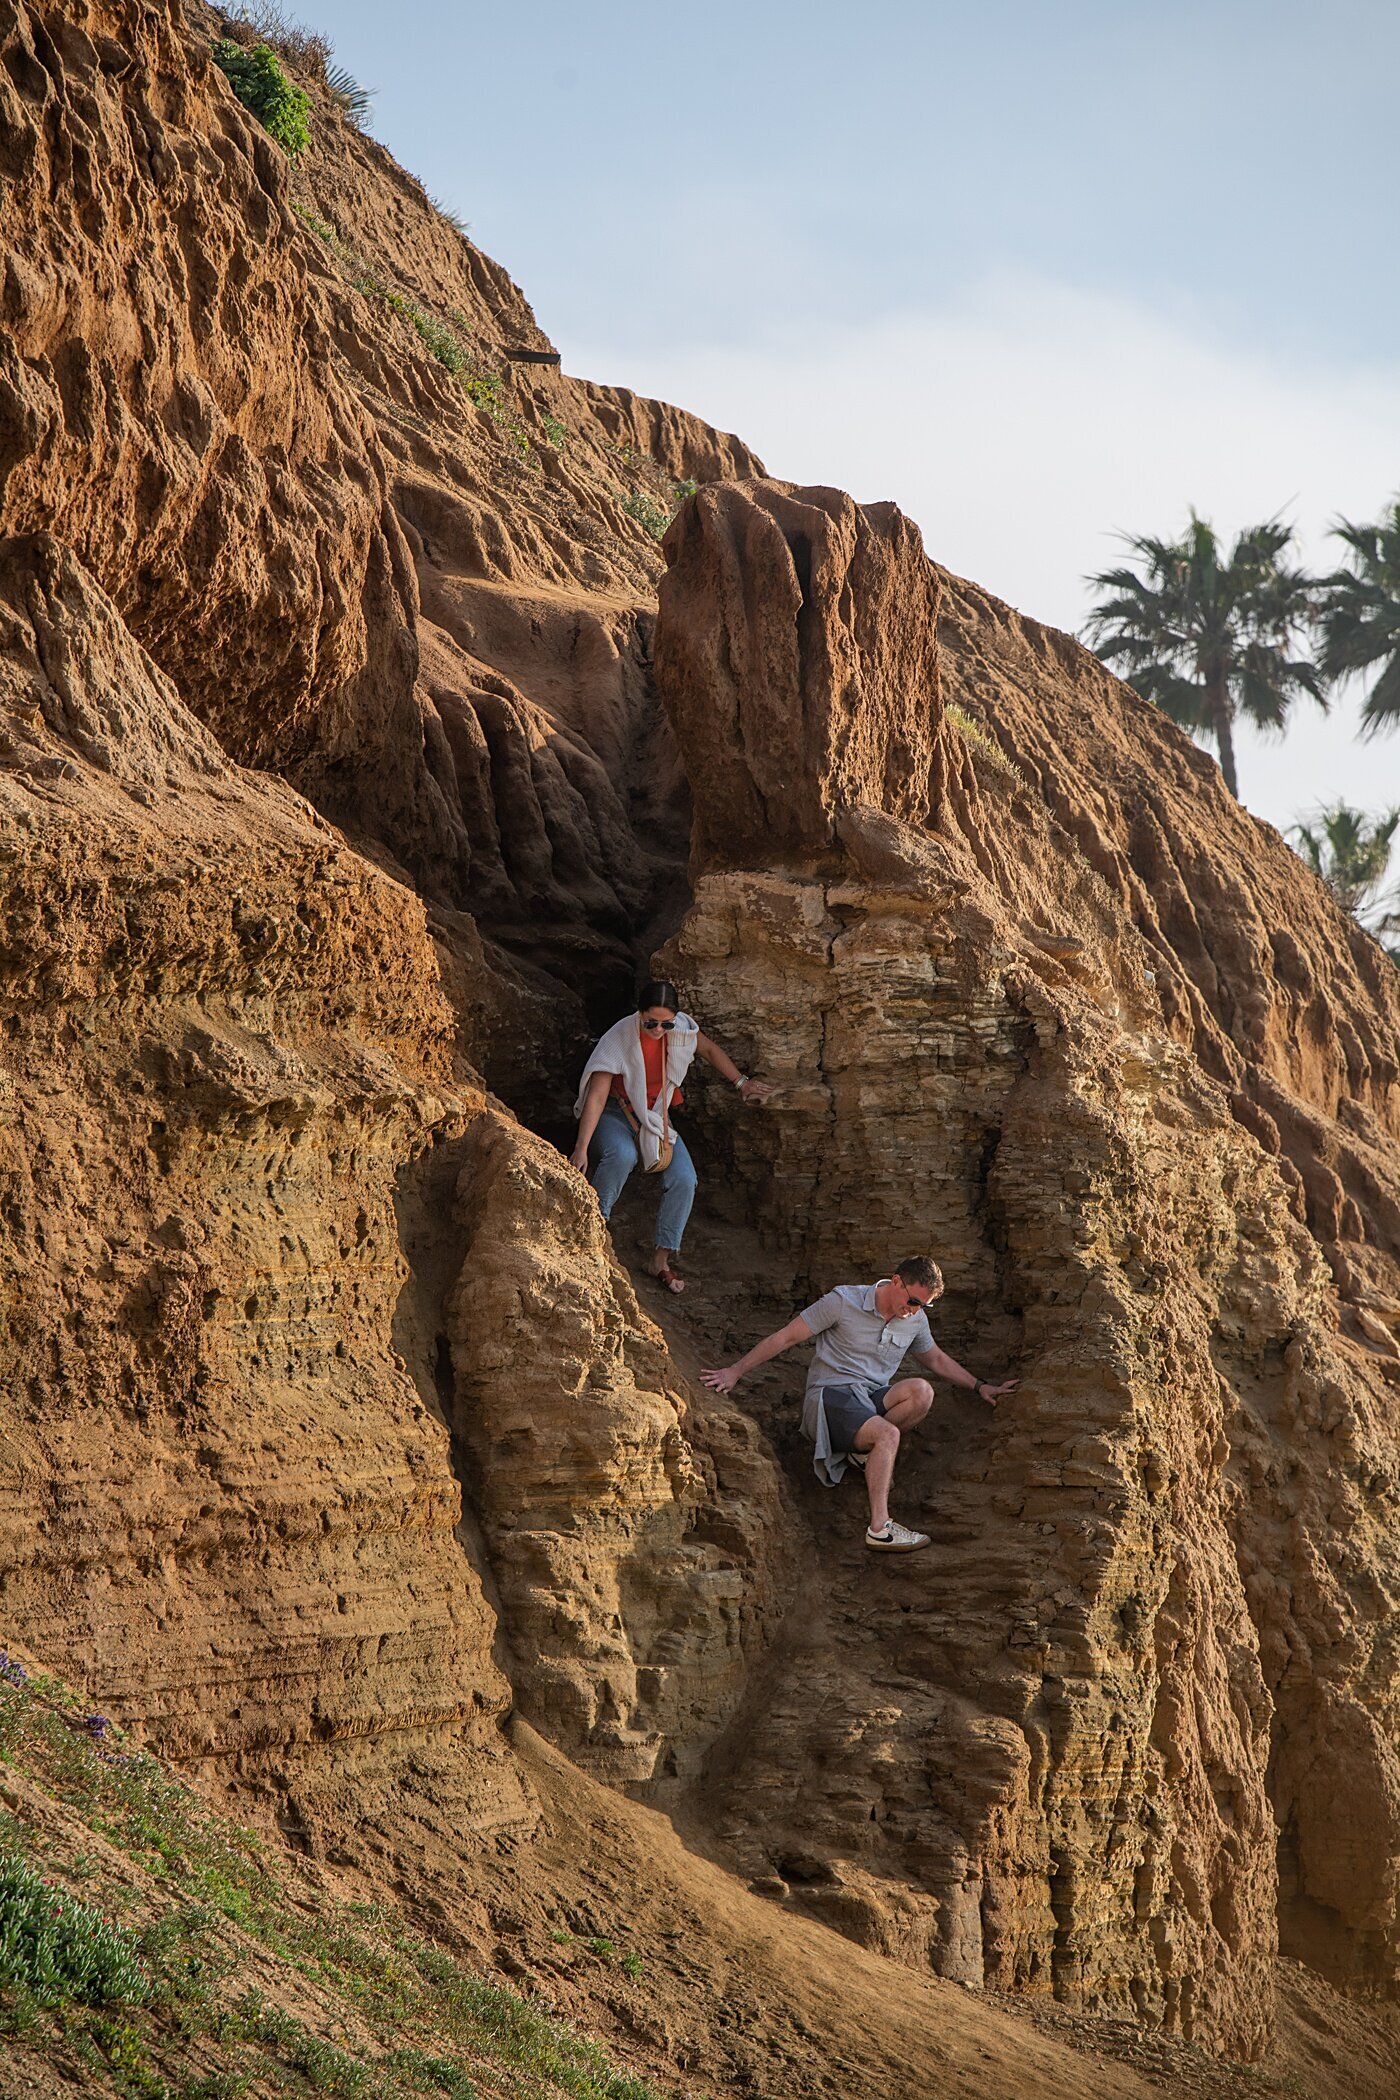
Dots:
pixel 664 1026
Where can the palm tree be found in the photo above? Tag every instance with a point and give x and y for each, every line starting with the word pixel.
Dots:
pixel 1210 640
pixel 1351 852
pixel 1361 615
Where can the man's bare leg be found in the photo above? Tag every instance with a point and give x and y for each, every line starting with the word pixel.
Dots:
pixel 905 1405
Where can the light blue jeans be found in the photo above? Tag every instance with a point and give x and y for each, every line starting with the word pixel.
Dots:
pixel 613 1154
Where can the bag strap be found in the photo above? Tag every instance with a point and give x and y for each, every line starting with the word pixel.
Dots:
pixel 631 1113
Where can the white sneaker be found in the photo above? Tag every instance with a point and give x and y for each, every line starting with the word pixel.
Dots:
pixel 896 1538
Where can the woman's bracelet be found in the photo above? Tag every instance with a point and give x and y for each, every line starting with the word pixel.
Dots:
pixel 742 1080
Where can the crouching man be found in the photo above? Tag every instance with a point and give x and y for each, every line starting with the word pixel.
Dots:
pixel 857 1407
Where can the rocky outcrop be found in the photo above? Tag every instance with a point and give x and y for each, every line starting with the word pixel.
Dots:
pixel 1281 998
pixel 635 1547
pixel 796 653
pixel 267 1252
pixel 1069 1778
pixel 224 1043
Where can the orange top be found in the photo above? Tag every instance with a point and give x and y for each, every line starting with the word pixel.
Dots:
pixel 654 1060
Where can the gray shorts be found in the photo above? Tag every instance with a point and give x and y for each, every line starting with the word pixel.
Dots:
pixel 846 1407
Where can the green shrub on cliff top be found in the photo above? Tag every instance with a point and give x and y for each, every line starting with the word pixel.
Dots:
pixel 257 79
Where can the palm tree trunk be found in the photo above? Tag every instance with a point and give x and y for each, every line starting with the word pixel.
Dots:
pixel 1223 721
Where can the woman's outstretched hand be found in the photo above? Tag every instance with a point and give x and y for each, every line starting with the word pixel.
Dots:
pixel 756 1089
pixel 720 1381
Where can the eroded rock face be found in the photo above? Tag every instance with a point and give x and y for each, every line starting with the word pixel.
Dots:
pixel 635 1544
pixel 224 1042
pixel 280 1281
pixel 254 1212
pixel 796 658
pixel 420 590
pixel 1067 1777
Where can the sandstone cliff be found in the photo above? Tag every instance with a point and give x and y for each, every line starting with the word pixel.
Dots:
pixel 1172 1556
pixel 351 767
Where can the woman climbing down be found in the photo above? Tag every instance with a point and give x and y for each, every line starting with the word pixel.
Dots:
pixel 629 1088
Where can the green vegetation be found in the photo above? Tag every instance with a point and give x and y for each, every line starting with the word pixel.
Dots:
pixel 225 1972
pixel 449 351
pixel 555 432
pixel 257 79
pixel 1209 637
pixel 1361 616
pixel 445 340
pixel 972 732
pixel 1351 853
pixel 648 513
pixel 263 22
pixel 353 101
pixel 306 51
pixel 57 1950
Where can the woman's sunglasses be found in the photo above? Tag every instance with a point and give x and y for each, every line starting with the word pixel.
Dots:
pixel 664 1026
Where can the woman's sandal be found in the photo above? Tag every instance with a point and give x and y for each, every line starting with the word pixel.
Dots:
pixel 667 1278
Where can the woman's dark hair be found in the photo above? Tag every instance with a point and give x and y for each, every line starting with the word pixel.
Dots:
pixel 658 991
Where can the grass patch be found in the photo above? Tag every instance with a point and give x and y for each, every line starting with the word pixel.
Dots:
pixel 447 341
pixel 225 1971
pixel 450 352
pixel 654 511
pixel 972 732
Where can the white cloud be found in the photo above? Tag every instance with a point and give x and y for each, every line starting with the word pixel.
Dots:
pixel 1025 421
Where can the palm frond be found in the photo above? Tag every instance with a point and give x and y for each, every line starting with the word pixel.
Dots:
pixel 352 100
pixel 1381 710
pixel 1361 614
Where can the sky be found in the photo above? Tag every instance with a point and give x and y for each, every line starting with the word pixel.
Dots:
pixel 1042 271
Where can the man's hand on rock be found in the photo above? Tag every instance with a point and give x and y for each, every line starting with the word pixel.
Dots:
pixel 992 1393
pixel 720 1381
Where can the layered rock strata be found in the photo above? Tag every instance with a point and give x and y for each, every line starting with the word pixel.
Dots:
pixel 335 1438
pixel 1075 1772
pixel 235 1136
pixel 634 1545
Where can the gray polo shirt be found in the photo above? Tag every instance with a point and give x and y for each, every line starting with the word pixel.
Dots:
pixel 855 1346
